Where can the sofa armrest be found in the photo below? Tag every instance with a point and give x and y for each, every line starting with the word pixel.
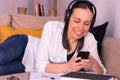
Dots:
pixel 111 55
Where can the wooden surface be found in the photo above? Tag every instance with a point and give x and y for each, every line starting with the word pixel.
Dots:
pixel 21 76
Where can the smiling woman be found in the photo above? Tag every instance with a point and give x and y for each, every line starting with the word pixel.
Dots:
pixel 63 39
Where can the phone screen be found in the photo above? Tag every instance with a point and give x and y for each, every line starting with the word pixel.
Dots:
pixel 83 54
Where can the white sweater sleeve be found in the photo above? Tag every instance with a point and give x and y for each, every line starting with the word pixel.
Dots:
pixel 42 58
pixel 50 46
pixel 30 53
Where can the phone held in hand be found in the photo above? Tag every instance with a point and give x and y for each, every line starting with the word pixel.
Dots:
pixel 83 55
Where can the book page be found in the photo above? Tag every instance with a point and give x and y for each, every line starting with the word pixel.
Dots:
pixel 45 76
pixel 68 78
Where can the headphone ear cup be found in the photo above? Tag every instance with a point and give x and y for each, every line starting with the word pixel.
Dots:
pixel 67 15
pixel 93 21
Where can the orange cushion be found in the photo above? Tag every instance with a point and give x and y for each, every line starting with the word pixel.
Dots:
pixel 6 31
pixel 33 32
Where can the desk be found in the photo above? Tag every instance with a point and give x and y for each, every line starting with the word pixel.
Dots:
pixel 39 76
pixel 33 76
pixel 21 76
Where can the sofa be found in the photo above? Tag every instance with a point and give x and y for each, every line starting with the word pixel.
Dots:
pixel 32 25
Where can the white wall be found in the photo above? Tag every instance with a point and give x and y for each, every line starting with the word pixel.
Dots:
pixel 4 6
pixel 108 10
pixel 116 20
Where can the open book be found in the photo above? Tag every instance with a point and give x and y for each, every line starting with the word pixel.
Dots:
pixel 86 76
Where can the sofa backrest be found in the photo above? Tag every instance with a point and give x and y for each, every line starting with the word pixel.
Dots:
pixel 26 21
pixel 5 19
pixel 30 21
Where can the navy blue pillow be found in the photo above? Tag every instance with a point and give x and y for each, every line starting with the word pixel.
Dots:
pixel 99 33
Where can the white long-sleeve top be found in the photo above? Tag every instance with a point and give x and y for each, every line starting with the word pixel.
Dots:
pixel 51 50
pixel 29 58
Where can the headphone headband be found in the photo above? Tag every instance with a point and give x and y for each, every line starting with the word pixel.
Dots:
pixel 74 1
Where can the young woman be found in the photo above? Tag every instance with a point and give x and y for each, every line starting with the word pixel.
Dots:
pixel 61 42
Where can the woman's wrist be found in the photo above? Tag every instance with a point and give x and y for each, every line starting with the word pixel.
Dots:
pixel 65 67
pixel 97 68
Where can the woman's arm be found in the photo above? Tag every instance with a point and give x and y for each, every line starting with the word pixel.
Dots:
pixel 71 66
pixel 94 60
pixel 50 46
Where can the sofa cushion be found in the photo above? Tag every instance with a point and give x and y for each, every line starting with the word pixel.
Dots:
pixel 111 55
pixel 5 19
pixel 29 21
pixel 6 31
pixel 99 33
pixel 33 32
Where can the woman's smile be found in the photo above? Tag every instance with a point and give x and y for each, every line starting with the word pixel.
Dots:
pixel 78 33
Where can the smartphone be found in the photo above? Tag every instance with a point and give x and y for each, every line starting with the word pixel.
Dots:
pixel 83 55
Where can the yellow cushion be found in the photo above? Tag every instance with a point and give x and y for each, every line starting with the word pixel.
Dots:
pixel 6 31
pixel 33 32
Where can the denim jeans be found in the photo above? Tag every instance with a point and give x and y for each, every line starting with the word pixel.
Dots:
pixel 11 54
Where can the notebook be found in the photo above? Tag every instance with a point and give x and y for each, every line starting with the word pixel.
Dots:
pixel 86 76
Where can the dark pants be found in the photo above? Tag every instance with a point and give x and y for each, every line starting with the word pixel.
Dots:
pixel 11 54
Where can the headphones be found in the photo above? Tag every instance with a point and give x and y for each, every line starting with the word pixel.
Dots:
pixel 68 11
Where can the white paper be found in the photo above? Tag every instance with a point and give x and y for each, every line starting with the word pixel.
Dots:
pixel 44 76
pixel 67 78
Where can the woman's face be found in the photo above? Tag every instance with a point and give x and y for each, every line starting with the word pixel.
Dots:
pixel 79 23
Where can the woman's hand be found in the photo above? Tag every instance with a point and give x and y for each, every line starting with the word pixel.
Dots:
pixel 73 65
pixel 93 66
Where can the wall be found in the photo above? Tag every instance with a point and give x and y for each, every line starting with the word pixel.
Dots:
pixel 116 18
pixel 5 6
pixel 108 10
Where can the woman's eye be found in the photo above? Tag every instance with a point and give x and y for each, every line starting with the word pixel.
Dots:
pixel 76 21
pixel 86 24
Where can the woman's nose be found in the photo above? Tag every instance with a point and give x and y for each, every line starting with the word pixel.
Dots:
pixel 81 26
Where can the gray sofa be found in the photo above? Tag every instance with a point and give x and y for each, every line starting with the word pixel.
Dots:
pixel 111 46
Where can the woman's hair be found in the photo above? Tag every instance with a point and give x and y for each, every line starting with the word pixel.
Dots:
pixel 65 41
